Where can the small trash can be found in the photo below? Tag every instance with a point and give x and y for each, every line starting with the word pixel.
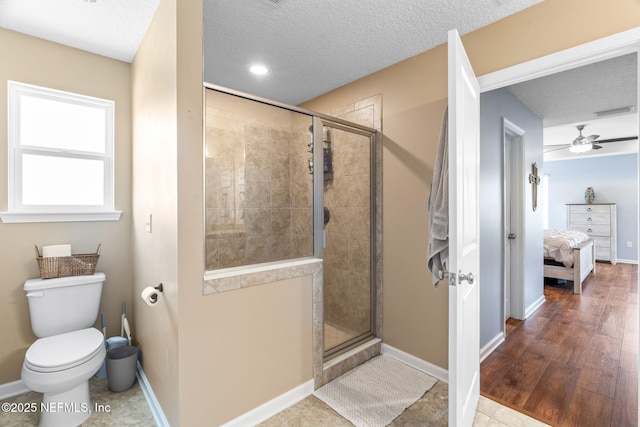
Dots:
pixel 121 367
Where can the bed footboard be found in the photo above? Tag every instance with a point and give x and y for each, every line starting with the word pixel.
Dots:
pixel 583 263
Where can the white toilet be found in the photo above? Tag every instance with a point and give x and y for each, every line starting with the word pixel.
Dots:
pixel 69 350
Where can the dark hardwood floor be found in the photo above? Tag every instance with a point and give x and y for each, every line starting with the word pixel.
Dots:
pixel 574 361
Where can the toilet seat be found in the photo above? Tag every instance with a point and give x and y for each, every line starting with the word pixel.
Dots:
pixel 64 351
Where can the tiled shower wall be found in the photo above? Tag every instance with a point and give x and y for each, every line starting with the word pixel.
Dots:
pixel 258 188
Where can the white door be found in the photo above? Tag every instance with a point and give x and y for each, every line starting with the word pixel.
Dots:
pixel 464 248
pixel 514 224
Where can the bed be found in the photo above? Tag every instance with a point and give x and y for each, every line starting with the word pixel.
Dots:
pixel 569 255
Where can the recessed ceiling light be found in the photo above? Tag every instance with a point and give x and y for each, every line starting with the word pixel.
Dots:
pixel 259 69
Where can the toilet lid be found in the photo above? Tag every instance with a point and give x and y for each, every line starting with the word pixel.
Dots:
pixel 64 351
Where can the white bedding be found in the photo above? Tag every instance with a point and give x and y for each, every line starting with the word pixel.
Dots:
pixel 558 244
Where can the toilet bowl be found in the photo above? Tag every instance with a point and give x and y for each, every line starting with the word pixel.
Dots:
pixel 60 367
pixel 69 351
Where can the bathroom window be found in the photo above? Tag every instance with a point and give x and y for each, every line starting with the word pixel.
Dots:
pixel 60 156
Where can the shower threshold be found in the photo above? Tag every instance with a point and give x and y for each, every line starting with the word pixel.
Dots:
pixel 351 352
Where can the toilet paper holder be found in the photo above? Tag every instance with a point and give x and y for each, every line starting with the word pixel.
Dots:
pixel 159 288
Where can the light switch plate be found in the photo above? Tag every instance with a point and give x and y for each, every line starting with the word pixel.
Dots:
pixel 147 222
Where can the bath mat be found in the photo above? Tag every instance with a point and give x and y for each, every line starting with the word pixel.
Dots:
pixel 376 392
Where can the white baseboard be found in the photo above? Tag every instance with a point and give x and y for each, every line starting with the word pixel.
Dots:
pixel 627 261
pixel 272 407
pixel 154 406
pixel 491 346
pixel 533 307
pixel 11 389
pixel 415 362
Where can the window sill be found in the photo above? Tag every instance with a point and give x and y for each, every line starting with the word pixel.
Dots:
pixel 22 217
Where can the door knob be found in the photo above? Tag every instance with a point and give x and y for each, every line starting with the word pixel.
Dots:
pixel 462 277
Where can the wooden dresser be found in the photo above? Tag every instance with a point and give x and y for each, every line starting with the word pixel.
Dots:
pixel 599 222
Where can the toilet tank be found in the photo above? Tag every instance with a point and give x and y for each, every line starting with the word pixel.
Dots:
pixel 63 305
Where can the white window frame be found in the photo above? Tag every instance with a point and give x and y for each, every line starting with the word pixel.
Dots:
pixel 19 212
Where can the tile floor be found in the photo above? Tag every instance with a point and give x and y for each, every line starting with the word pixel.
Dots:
pixel 429 410
pixel 128 408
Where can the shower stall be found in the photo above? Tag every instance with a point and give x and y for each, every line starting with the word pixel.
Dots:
pixel 283 183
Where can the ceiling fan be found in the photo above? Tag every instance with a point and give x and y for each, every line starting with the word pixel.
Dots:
pixel 582 143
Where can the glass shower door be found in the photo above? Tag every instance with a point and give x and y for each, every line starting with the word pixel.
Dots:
pixel 348 245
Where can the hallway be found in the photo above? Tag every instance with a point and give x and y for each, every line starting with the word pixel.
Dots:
pixel 573 362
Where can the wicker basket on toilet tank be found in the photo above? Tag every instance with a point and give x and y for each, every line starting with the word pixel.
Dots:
pixel 74 265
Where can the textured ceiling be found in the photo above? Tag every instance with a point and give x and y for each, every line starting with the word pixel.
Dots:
pixel 315 46
pixel 574 95
pixel 112 28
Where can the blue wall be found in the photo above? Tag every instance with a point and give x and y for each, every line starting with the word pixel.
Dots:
pixel 495 105
pixel 614 180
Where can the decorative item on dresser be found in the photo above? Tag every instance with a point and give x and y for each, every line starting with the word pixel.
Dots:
pixel 598 220
pixel 589 196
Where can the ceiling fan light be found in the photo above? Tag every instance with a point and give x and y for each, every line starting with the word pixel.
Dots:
pixel 581 148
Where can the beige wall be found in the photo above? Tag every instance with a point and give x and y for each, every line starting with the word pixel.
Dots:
pixel 414 95
pixel 155 192
pixel 244 348
pixel 35 61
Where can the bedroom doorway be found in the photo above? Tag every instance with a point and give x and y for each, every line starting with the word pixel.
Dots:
pixel 590 53
pixel 513 203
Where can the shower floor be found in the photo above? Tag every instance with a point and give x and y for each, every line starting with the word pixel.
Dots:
pixel 335 335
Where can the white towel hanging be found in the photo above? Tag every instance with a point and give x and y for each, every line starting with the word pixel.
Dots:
pixel 438 239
